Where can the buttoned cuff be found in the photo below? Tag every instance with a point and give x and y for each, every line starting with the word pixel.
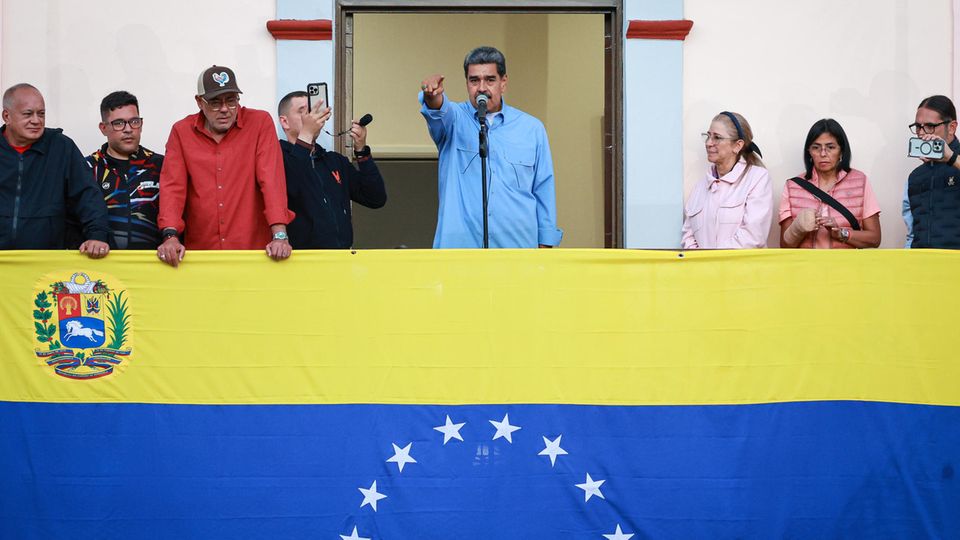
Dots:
pixel 279 216
pixel 164 223
pixel 434 113
pixel 549 237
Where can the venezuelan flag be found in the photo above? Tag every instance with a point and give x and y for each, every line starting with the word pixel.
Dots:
pixel 461 394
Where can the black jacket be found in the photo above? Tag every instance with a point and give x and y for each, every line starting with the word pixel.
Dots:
pixel 39 187
pixel 320 188
pixel 934 192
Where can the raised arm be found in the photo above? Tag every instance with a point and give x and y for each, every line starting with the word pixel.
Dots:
pixel 436 109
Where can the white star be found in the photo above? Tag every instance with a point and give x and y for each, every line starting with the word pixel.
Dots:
pixel 553 450
pixel 371 496
pixel 618 535
pixel 504 429
pixel 353 536
pixel 450 430
pixel 591 487
pixel 401 456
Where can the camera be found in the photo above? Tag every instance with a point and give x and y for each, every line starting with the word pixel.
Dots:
pixel 920 148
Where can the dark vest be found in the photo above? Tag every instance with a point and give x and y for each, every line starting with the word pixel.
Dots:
pixel 934 193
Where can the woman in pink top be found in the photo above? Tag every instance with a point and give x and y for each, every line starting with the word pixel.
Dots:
pixel 733 205
pixel 806 221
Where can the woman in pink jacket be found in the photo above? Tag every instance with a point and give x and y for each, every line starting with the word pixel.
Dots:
pixel 732 206
pixel 808 218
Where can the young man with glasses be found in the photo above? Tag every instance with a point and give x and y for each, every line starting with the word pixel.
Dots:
pixel 223 182
pixel 931 197
pixel 128 174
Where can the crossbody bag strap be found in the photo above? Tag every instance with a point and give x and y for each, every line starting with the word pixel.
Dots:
pixel 825 197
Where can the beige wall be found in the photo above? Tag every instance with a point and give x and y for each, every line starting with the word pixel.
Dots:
pixel 784 65
pixel 555 71
pixel 77 52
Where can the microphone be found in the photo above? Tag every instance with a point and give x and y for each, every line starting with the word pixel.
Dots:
pixel 364 120
pixel 482 100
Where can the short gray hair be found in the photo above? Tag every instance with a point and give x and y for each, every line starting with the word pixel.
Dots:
pixel 485 55
pixel 8 94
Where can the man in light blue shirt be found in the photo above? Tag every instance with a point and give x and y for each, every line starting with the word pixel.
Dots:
pixel 521 210
pixel 907 215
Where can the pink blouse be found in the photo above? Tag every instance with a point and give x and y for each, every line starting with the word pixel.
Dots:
pixel 733 211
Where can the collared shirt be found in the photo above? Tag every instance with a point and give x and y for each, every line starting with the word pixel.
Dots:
pixel 224 195
pixel 907 215
pixel 521 210
pixel 732 211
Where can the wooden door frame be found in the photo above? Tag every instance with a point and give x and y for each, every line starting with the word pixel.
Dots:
pixel 612 10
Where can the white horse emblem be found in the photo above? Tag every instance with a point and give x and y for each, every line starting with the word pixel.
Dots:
pixel 76 329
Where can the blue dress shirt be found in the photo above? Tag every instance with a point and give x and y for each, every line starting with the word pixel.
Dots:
pixel 907 214
pixel 521 209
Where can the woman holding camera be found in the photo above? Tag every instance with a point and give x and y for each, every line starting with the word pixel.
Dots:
pixel 831 205
pixel 931 198
pixel 731 207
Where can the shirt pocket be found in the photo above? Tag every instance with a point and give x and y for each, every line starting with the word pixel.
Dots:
pixel 731 212
pixel 522 161
pixel 694 213
pixel 466 157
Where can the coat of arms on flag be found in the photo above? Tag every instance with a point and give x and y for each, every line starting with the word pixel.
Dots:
pixel 85 326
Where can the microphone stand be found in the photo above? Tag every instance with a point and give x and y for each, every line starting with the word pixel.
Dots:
pixel 483 176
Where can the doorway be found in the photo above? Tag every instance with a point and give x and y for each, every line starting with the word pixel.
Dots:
pixel 560 68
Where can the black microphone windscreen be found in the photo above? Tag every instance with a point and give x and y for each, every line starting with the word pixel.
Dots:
pixel 365 119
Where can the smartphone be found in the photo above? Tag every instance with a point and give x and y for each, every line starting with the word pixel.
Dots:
pixel 920 148
pixel 316 92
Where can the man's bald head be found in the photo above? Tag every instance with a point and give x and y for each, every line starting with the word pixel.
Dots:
pixel 24 114
pixel 8 94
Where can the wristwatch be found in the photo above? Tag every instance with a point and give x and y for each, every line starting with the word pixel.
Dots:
pixel 280 236
pixel 363 152
pixel 844 234
pixel 169 232
pixel 952 160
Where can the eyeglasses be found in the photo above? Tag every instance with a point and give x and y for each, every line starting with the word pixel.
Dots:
pixel 134 123
pixel 707 137
pixel 216 104
pixel 926 128
pixel 823 149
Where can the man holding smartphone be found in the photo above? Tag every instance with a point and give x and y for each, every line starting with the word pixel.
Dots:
pixel 222 180
pixel 522 202
pixel 321 184
pixel 931 196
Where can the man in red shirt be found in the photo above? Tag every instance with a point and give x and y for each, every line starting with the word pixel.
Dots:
pixel 223 182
